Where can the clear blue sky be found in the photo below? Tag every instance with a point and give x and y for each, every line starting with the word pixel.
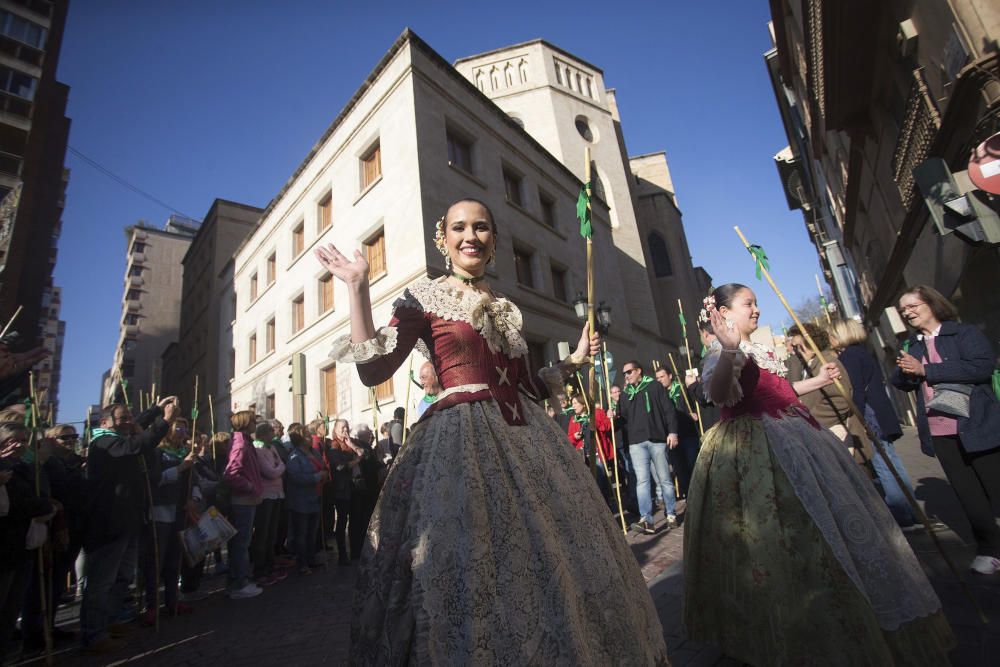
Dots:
pixel 193 100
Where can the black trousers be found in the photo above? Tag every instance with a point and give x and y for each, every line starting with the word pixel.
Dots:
pixel 343 510
pixel 975 477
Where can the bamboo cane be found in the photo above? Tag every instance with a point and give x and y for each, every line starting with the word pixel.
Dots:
pixel 46 630
pixel 10 322
pixel 211 417
pixel 591 383
pixel 874 439
pixel 406 402
pixel 156 547
pixel 597 445
pixel 687 348
pixel 614 441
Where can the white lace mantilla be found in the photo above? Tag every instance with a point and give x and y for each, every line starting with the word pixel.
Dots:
pixel 499 322
pixel 762 355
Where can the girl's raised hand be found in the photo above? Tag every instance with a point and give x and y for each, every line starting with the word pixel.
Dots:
pixel 353 272
pixel 729 338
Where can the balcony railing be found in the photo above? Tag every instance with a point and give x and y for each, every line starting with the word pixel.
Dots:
pixel 920 125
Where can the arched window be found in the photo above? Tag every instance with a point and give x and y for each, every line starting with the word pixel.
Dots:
pixel 508 74
pixel 658 253
pixel 523 70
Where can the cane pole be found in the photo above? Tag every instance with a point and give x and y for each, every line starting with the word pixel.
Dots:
pixel 614 442
pixel 687 348
pixel 917 510
pixel 406 403
pixel 10 322
pixel 597 445
pixel 46 631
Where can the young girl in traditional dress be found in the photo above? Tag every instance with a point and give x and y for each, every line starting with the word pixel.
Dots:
pixel 476 553
pixel 791 557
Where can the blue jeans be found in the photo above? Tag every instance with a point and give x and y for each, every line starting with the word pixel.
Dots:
pixel 642 453
pixel 239 545
pixel 302 530
pixel 109 570
pixel 899 506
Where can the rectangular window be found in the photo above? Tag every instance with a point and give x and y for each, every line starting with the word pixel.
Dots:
pixel 325 213
pixel 18 83
pixel 298 313
pixel 326 293
pixel 559 283
pixel 548 206
pixel 269 337
pixel 522 266
pixel 269 406
pixel 131 318
pixel 232 363
pixel 138 247
pixel 329 390
pixel 253 287
pixel 371 166
pixel 252 353
pixel 272 263
pixel 22 29
pixel 298 239
pixel 384 391
pixel 512 186
pixel 132 295
pixel 375 254
pixel 459 152
pixel 136 270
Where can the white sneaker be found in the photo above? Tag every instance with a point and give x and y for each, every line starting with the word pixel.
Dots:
pixel 251 590
pixel 985 565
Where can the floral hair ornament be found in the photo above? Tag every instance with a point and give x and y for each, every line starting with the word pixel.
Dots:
pixel 440 243
pixel 708 304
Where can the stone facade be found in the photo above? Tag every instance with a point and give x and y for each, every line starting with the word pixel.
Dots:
pixel 151 305
pixel 202 348
pixel 868 91
pixel 439 137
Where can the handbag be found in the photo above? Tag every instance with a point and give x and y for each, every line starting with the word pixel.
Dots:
pixel 951 399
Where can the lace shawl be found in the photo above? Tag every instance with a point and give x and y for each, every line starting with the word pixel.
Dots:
pixel 762 355
pixel 498 322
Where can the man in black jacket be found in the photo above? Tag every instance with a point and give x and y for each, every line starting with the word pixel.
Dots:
pixel 118 507
pixel 682 457
pixel 651 422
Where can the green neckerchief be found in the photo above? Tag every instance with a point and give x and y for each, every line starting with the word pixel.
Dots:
pixel 674 392
pixel 96 433
pixel 633 389
pixel 429 398
pixel 259 444
pixel 568 411
pixel 177 453
pixel 583 419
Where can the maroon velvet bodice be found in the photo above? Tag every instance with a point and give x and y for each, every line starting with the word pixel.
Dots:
pixel 765 393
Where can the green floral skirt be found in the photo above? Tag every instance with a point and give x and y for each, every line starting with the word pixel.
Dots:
pixel 768 582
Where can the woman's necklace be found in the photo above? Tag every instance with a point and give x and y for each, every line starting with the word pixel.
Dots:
pixel 468 280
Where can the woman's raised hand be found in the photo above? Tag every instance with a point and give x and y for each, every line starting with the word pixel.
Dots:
pixel 728 338
pixel 589 345
pixel 353 272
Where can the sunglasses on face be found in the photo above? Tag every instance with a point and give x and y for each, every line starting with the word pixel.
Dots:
pixel 68 436
pixel 629 371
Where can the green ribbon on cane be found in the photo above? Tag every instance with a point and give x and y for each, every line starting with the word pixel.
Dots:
pixel 583 212
pixel 760 258
pixel 675 391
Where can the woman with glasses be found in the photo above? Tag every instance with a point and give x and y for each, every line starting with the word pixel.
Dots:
pixel 948 365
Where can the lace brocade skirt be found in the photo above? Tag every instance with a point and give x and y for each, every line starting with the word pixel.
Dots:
pixel 491 545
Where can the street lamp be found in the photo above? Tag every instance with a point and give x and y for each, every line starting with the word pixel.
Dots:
pixel 580 305
pixel 603 318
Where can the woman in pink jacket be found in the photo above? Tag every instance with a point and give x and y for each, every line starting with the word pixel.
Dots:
pixel 243 477
pixel 265 523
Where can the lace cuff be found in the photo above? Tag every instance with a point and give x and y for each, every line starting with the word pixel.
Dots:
pixel 555 376
pixel 382 344
pixel 734 393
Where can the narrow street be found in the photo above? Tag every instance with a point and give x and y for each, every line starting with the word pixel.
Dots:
pixel 306 620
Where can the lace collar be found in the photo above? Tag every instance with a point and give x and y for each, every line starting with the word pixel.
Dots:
pixel 498 322
pixel 764 357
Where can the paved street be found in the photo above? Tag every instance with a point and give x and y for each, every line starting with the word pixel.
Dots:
pixel 306 620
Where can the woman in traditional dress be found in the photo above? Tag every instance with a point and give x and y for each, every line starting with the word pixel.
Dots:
pixel 791 557
pixel 476 552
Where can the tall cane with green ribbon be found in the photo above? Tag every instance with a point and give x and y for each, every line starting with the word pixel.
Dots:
pixel 822 300
pixel 764 268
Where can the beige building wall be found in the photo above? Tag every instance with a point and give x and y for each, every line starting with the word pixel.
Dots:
pixel 411 104
pixel 151 302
